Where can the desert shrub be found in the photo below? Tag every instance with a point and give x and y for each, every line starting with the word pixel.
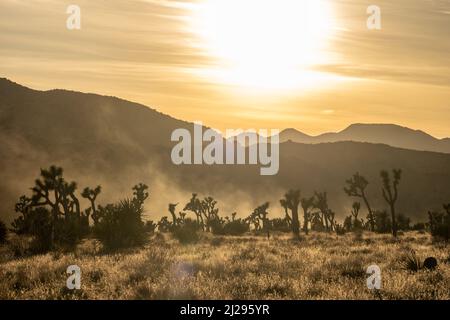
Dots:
pixel 419 226
pixel 52 215
pixel 3 232
pixel 232 228
pixel 164 225
pixel 150 226
pixel 279 224
pixel 382 222
pixel 187 232
pixel 340 229
pixel 403 222
pixel 411 262
pixel 38 224
pixel 20 246
pixel 120 225
pixel 439 224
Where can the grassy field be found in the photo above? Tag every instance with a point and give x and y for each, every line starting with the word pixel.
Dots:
pixel 320 266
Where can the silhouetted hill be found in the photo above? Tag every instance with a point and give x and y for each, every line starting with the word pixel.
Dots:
pixel 390 134
pixel 116 143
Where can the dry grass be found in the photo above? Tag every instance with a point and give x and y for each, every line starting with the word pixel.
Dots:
pixel 318 267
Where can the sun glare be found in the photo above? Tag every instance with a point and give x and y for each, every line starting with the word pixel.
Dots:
pixel 265 43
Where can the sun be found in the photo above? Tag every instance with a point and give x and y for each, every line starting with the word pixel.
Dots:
pixel 264 43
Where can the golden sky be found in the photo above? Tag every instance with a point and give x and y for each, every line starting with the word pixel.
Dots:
pixel 307 64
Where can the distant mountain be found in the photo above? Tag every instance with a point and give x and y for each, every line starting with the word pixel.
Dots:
pixel 116 143
pixel 389 134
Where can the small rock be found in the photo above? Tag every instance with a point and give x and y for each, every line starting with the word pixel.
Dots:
pixel 430 263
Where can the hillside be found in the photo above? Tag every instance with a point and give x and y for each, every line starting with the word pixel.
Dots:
pixel 116 143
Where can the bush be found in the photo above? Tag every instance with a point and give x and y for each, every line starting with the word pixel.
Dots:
pixel 187 232
pixel 281 225
pixel 382 222
pixel 232 228
pixel 150 226
pixel 340 230
pixel 120 225
pixel 3 232
pixel 36 223
pixel 439 224
pixel 411 262
pixel 420 226
pixel 403 222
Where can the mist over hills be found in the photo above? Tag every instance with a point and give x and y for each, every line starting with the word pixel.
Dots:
pixel 116 143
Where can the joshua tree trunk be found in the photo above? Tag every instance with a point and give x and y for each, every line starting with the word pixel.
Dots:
pixel 390 194
pixel 394 220
pixel 326 220
pixel 305 221
pixel 295 223
pixel 371 218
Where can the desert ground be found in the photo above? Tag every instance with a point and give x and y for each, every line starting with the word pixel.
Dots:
pixel 319 266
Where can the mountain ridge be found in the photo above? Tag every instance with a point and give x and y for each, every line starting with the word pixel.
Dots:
pixel 116 143
pixel 405 138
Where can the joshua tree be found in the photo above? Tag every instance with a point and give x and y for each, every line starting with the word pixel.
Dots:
pixel 287 218
pixel 64 220
pixel 194 205
pixel 306 203
pixel 292 201
pixel 182 217
pixel 253 218
pixel 261 213
pixel 390 193
pixel 91 195
pixel 321 203
pixel 439 222
pixel 357 188
pixel 209 210
pixel 140 193
pixel 48 191
pixel 164 225
pixel 355 212
pixel 172 208
pixel 331 218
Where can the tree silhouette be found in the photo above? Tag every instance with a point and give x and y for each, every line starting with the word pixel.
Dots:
pixel 172 208
pixel 331 218
pixel 261 213
pixel 284 205
pixel 357 188
pixel 53 213
pixel 356 223
pixel 439 223
pixel 194 205
pixel 209 211
pixel 321 203
pixel 253 219
pixel 292 201
pixel 52 190
pixel 91 195
pixel 390 193
pixel 306 203
pixel 140 193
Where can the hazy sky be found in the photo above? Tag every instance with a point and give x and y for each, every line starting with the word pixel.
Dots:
pixel 311 65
